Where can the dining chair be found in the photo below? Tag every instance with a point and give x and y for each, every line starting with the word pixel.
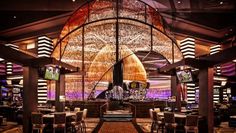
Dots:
pixel 157 122
pixel 85 111
pixel 151 116
pixel 59 121
pixel 67 108
pixel 157 109
pixel 37 121
pixel 169 120
pixel 76 109
pixel 191 124
pixel 77 124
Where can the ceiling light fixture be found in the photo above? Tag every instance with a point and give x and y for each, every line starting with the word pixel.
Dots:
pixel 73 0
pixel 14 16
pixel 179 2
pixel 221 2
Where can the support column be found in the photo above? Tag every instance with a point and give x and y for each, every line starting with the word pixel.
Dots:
pixel 118 74
pixel 30 102
pixel 60 92
pixel 175 92
pixel 173 86
pixel 221 97
pixel 206 96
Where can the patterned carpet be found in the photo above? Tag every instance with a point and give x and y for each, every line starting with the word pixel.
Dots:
pixel 145 125
pixel 8 126
pixel 118 127
pixel 113 127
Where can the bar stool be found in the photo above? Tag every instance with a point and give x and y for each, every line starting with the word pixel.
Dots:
pixel 191 124
pixel 59 121
pixel 37 121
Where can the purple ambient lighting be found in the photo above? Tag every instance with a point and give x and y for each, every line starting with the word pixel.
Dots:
pixel 158 93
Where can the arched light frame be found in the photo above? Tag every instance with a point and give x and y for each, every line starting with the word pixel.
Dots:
pixel 90 14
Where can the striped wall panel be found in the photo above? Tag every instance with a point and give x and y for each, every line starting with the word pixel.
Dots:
pixel 9 65
pixel 187 47
pixel 45 48
pixel 213 50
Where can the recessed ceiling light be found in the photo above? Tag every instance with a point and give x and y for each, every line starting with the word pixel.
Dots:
pixel 179 2
pixel 14 16
pixel 230 29
pixel 221 2
pixel 73 0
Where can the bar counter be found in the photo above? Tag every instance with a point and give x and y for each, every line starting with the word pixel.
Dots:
pixel 142 107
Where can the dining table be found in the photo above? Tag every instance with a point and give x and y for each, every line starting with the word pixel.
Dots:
pixel 48 119
pixel 177 115
pixel 68 114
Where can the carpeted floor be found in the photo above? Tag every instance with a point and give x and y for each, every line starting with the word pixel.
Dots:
pixel 113 127
pixel 8 126
pixel 117 127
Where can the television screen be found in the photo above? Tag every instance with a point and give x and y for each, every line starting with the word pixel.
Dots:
pixel 184 76
pixel 52 73
pixel 233 98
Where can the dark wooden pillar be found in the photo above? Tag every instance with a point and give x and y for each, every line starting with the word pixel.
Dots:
pixel 0 93
pixel 173 86
pixel 118 74
pixel 30 100
pixel 175 91
pixel 206 96
pixel 60 91
pixel 221 95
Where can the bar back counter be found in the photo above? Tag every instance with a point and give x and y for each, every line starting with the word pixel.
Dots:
pixel 142 107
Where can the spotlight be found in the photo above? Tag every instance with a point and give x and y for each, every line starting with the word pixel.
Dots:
pixel 221 2
pixel 14 16
pixel 179 2
pixel 73 0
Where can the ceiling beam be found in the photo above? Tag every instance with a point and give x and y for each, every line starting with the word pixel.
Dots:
pixel 24 59
pixel 15 56
pixel 40 5
pixel 222 57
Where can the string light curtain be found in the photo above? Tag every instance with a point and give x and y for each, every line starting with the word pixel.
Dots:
pixel 95 30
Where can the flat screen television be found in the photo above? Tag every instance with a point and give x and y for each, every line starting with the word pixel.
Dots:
pixel 233 98
pixel 52 73
pixel 184 76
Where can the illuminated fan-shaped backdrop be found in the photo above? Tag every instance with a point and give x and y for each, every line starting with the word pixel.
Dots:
pixel 132 67
pixel 93 28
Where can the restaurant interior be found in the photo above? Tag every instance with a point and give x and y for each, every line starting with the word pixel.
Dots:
pixel 118 66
